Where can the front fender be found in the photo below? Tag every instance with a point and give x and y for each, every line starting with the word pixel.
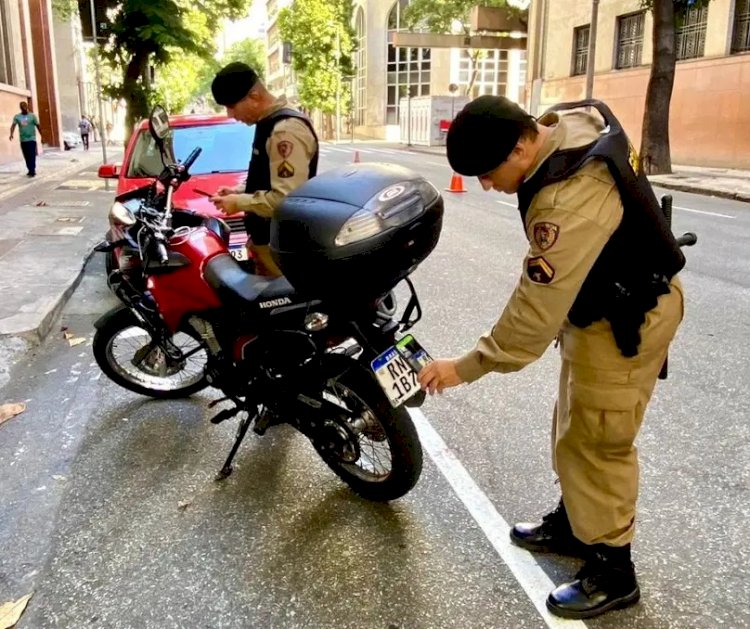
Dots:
pixel 109 315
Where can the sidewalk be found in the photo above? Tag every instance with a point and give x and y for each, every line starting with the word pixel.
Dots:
pixel 718 182
pixel 46 235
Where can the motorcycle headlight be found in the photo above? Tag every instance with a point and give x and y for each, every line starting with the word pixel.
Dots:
pixel 392 207
pixel 121 215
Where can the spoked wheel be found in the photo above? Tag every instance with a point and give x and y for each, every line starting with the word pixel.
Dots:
pixel 376 451
pixel 128 356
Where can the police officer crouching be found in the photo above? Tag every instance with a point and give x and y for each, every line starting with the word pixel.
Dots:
pixel 285 155
pixel 601 276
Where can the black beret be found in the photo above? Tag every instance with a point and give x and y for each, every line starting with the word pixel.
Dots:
pixel 233 82
pixel 483 135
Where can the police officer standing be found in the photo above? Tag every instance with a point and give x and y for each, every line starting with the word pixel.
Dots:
pixel 285 155
pixel 600 275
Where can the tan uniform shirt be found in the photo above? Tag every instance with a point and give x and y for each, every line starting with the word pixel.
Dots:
pixel 290 149
pixel 567 225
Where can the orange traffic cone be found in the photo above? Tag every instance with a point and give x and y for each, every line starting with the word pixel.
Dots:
pixel 356 157
pixel 457 184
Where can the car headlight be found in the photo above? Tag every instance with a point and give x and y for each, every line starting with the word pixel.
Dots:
pixel 121 215
pixel 395 206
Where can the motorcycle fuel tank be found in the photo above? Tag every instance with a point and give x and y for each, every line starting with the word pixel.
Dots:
pixel 355 232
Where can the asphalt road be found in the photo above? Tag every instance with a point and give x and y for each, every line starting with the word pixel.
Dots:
pixel 110 516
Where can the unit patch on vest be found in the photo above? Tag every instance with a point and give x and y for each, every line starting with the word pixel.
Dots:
pixel 545 235
pixel 539 270
pixel 285 148
pixel 286 170
pixel 633 158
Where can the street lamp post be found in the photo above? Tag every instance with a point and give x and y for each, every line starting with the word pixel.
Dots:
pixel 102 126
pixel 591 60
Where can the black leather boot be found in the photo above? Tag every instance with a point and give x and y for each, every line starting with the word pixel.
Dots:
pixel 552 535
pixel 606 581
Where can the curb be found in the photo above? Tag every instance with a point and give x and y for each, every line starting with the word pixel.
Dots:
pixel 37 335
pixel 711 192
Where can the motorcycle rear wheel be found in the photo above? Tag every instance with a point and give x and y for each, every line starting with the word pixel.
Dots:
pixel 377 452
pixel 123 340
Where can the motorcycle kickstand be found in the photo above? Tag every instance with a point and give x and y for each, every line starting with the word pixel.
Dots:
pixel 227 469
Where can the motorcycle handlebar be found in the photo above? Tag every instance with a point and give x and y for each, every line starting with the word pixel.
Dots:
pixel 688 239
pixel 191 158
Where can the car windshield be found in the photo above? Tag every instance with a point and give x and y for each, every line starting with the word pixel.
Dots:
pixel 226 148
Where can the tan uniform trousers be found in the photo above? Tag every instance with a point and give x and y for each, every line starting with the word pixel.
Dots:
pixel 264 262
pixel 600 407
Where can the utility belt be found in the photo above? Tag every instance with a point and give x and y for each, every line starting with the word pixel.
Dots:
pixel 624 305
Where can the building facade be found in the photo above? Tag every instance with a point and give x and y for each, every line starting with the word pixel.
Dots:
pixel 279 75
pixel 28 70
pixel 386 74
pixel 710 119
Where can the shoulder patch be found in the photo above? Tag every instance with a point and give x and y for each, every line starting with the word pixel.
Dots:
pixel 545 234
pixel 285 148
pixel 286 170
pixel 539 270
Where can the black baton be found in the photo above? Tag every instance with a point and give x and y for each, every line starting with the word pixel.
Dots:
pixel 666 207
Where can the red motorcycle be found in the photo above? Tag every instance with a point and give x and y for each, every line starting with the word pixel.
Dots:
pixel 315 349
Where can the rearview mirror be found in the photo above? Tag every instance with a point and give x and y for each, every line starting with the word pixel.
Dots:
pixel 158 123
pixel 109 171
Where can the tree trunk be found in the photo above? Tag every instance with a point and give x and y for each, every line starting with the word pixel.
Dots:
pixel 134 93
pixel 474 56
pixel 655 155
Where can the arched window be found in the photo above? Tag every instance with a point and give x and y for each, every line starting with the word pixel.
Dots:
pixel 360 64
pixel 408 69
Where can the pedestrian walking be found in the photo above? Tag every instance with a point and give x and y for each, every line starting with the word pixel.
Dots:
pixel 84 126
pixel 28 125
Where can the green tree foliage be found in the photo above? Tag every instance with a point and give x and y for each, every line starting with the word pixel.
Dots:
pixel 250 51
pixel 321 36
pixel 186 79
pixel 441 16
pixel 151 33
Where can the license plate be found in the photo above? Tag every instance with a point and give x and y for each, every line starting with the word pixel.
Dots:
pixel 398 380
pixel 239 254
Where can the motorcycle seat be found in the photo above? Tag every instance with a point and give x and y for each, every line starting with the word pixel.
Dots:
pixel 237 286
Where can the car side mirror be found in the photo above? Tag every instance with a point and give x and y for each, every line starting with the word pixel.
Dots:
pixel 109 171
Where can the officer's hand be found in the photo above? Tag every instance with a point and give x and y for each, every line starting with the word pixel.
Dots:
pixel 228 204
pixel 224 191
pixel 438 376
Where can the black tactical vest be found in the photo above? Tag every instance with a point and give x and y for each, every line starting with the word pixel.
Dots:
pixel 642 255
pixel 259 171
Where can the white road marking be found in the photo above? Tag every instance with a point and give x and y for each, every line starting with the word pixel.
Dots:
pixel 527 571
pixel 688 209
pixel 513 205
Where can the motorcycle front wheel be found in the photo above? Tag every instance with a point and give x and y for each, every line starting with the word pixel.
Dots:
pixel 126 354
pixel 376 449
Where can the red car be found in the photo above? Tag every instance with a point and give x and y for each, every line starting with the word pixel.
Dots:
pixel 226 152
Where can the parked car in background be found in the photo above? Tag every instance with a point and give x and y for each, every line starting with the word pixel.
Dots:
pixel 70 140
pixel 226 148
